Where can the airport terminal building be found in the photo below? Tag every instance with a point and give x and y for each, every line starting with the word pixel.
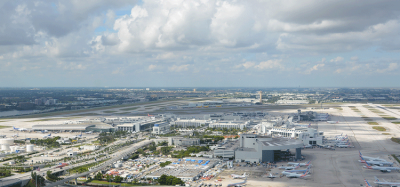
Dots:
pixel 255 148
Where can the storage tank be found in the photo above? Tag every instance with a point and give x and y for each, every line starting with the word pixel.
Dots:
pixel 6 141
pixel 5 147
pixel 29 148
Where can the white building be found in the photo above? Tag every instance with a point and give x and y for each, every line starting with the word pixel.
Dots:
pixel 90 147
pixel 161 128
pixel 307 135
pixel 229 125
pixel 189 123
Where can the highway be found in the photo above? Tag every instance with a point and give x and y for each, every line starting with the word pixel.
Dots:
pixel 118 155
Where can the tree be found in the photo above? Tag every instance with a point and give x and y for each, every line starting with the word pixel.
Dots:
pixel 98 176
pixel 118 179
pixel 109 178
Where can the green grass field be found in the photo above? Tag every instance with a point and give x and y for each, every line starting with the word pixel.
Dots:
pixel 389 118
pixel 127 109
pixel 385 133
pixel 3 127
pixel 373 123
pixel 396 122
pixel 379 128
pixel 88 114
pixel 397 140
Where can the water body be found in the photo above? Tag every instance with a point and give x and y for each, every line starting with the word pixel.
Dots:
pixel 17 112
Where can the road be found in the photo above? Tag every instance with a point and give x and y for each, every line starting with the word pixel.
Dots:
pixel 118 155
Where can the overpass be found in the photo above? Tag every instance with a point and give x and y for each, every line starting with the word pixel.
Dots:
pixel 118 156
pixel 9 181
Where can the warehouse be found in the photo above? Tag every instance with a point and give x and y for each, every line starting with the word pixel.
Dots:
pixel 254 148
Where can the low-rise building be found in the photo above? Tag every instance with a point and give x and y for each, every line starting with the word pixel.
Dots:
pixel 229 124
pixel 189 123
pixel 161 128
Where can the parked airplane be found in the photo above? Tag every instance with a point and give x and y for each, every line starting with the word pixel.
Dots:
pixel 332 122
pixel 77 136
pixel 271 176
pixel 47 136
pixel 90 132
pixel 19 129
pixel 239 184
pixel 149 115
pixel 296 175
pixel 238 176
pixel 378 163
pixel 371 158
pixel 344 146
pixel 15 135
pixel 289 167
pixel 44 131
pixel 301 164
pixel 308 146
pixel 302 170
pixel 380 168
pixel 384 182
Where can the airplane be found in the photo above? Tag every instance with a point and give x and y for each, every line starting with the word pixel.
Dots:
pixel 90 132
pixel 239 183
pixel 384 182
pixel 382 169
pixel 289 167
pixel 379 163
pixel 343 143
pixel 271 176
pixel 19 129
pixel 238 176
pixel 332 122
pixel 302 170
pixel 15 135
pixel 149 115
pixel 367 183
pixel 344 146
pixel 77 136
pixel 44 131
pixel 47 136
pixel 296 175
pixel 371 158
pixel 308 146
pixel 301 164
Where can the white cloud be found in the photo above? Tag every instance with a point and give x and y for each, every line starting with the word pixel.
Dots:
pixel 270 64
pixel 166 56
pixel 152 67
pixel 314 68
pixel 337 59
pixel 391 67
pixel 180 68
pixel 354 58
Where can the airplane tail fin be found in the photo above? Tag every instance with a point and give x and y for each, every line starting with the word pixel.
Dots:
pixel 367 183
pixel 376 179
pixel 244 174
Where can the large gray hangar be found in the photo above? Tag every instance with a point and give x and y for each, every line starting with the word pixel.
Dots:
pixel 255 148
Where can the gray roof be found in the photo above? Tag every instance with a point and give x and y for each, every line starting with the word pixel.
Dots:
pixel 80 127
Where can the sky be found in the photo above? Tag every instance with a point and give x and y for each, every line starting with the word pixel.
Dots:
pixel 199 43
